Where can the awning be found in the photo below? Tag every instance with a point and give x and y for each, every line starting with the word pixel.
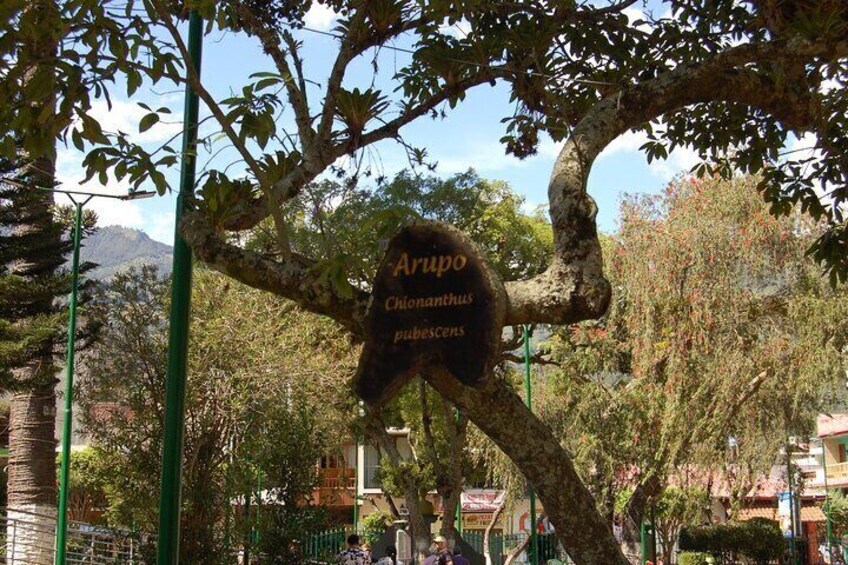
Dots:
pixel 808 513
pixel 767 512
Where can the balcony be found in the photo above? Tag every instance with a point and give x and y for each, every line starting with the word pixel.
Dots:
pixel 837 472
pixel 335 486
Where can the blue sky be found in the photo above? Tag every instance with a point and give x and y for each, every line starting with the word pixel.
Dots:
pixel 467 138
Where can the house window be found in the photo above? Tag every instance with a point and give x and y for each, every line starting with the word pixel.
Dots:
pixel 372 468
pixel 842 453
pixel 332 462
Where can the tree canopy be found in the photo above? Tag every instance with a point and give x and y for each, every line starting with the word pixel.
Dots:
pixel 264 399
pixel 721 328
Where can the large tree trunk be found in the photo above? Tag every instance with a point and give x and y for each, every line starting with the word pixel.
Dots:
pixel 32 476
pixel 418 526
pixel 32 444
pixel 531 445
pixel 634 514
pixel 32 419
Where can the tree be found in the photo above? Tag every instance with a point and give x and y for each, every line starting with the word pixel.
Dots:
pixel 730 80
pixel 352 228
pixel 32 325
pixel 719 319
pixel 32 253
pixel 270 392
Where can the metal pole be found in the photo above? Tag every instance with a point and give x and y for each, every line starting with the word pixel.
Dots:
pixel 458 517
pixel 258 508
pixel 62 518
pixel 791 505
pixel 653 533
pixel 534 541
pixel 356 486
pixel 248 538
pixel 172 450
pixel 828 524
pixel 643 541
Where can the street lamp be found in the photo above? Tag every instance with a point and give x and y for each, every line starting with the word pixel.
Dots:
pixel 79 199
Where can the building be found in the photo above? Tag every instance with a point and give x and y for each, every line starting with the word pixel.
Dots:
pixel 354 475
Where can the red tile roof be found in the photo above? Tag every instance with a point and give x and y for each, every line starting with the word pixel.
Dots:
pixel 829 426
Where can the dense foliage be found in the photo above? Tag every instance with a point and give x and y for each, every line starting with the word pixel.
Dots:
pixel 282 389
pixel 758 540
pixel 720 327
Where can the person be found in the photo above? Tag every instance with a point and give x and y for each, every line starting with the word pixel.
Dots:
pixel 441 548
pixel 390 558
pixel 459 558
pixel 445 558
pixel 353 555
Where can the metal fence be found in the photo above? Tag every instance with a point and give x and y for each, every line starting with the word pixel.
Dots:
pixel 29 539
pixel 502 545
pixel 324 547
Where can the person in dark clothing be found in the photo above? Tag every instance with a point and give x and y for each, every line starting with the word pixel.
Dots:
pixel 390 558
pixel 459 558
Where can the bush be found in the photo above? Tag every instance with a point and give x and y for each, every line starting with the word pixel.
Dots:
pixel 374 525
pixel 691 558
pixel 758 540
pixel 764 541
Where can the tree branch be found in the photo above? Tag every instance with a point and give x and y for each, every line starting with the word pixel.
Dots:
pixel 294 277
pixel 296 90
pixel 573 287
pixel 193 78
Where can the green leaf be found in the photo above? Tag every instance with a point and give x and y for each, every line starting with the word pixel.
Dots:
pixel 147 122
pixel 76 138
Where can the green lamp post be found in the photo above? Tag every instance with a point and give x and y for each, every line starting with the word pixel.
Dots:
pixel 534 540
pixel 175 383
pixel 80 199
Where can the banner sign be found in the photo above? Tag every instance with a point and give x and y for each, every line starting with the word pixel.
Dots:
pixel 434 302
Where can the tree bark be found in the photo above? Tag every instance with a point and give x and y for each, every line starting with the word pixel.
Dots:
pixel 32 475
pixel 31 487
pixel 418 526
pixel 634 513
pixel 491 526
pixel 32 420
pixel 530 443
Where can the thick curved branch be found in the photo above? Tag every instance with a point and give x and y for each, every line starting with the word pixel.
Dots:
pixel 495 409
pixel 293 277
pixel 573 287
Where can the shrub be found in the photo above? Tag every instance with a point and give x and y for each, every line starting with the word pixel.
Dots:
pixel 758 540
pixel 374 525
pixel 692 558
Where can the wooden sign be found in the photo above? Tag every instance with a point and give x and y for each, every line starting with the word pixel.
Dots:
pixel 434 302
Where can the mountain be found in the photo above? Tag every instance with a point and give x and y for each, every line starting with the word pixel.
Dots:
pixel 115 249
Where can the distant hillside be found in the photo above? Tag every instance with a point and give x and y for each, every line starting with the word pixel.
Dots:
pixel 115 249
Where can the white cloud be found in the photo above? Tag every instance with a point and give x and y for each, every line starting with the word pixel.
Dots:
pixel 109 210
pixel 629 142
pixel 680 160
pixel 320 17
pixel 485 157
pixel 125 116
